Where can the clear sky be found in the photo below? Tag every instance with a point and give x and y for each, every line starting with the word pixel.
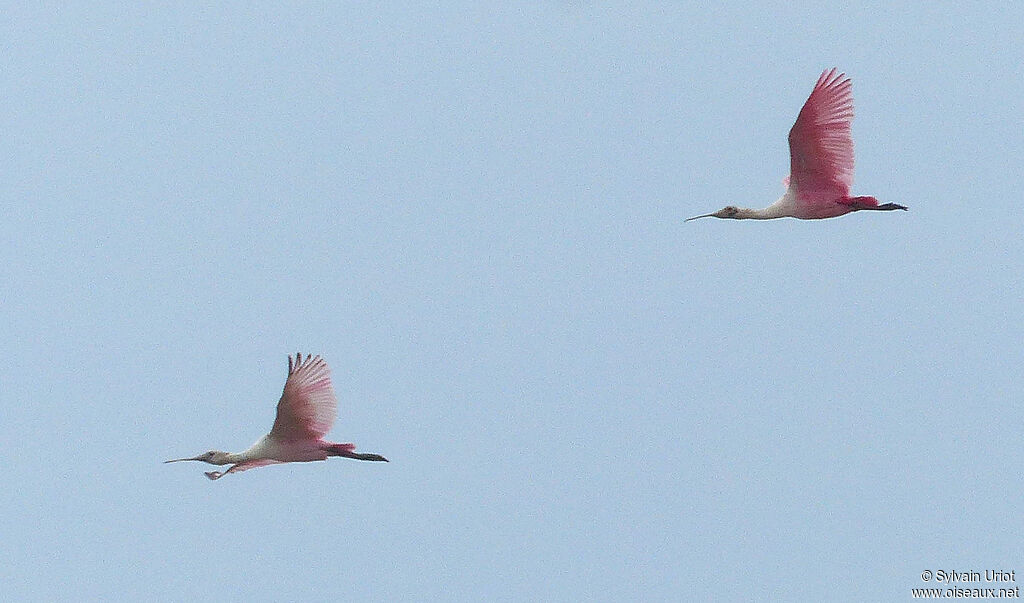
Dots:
pixel 474 213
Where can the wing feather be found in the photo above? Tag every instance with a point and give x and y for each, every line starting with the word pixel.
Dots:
pixel 820 143
pixel 308 407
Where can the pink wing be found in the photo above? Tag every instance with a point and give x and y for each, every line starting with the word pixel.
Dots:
pixel 308 408
pixel 243 466
pixel 820 144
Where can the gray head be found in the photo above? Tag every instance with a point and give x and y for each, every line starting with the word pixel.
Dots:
pixel 729 211
pixel 214 457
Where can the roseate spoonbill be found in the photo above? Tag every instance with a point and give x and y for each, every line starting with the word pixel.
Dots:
pixel 305 413
pixel 820 161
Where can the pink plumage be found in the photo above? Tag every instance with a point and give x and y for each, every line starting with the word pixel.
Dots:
pixel 821 160
pixel 308 407
pixel 820 143
pixel 305 413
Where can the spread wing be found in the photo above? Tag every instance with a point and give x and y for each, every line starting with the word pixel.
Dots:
pixel 307 408
pixel 820 144
pixel 243 466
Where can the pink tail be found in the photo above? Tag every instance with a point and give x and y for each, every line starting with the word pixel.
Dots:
pixel 349 451
pixel 340 449
pixel 862 202
pixel 856 203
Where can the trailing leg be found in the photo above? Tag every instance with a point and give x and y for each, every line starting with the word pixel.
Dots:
pixel 859 203
pixel 349 451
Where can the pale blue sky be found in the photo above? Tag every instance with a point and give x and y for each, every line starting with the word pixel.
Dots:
pixel 475 214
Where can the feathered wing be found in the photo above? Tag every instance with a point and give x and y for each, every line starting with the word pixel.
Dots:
pixel 243 466
pixel 820 143
pixel 308 407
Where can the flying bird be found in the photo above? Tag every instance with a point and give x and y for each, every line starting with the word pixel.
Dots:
pixel 821 161
pixel 305 414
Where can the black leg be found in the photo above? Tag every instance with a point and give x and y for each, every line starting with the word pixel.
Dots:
pixel 888 207
pixel 363 456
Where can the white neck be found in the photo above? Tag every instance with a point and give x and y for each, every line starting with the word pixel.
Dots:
pixel 262 448
pixel 782 208
pixel 767 213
